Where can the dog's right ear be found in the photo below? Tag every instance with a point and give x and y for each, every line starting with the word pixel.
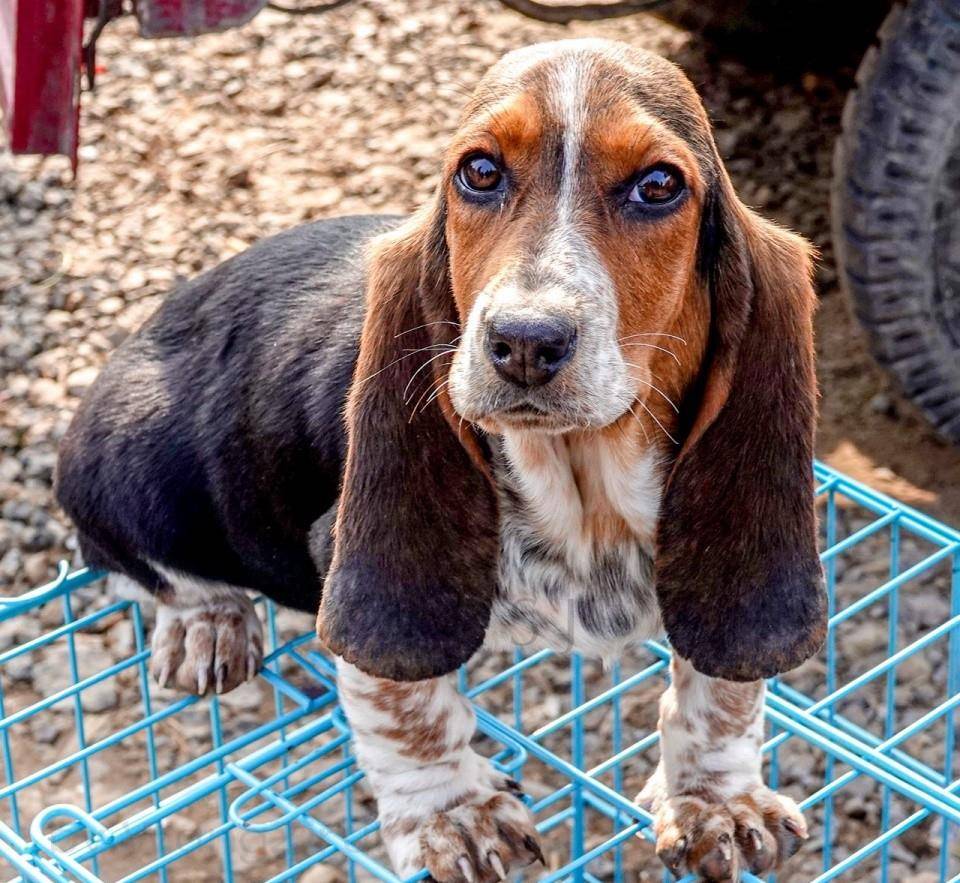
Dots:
pixel 409 590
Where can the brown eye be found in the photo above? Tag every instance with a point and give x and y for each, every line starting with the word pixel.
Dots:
pixel 658 185
pixel 479 173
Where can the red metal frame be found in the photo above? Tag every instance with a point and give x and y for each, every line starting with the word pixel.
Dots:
pixel 40 51
pixel 41 58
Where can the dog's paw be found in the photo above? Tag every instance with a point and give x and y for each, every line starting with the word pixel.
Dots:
pixel 216 646
pixel 756 832
pixel 479 840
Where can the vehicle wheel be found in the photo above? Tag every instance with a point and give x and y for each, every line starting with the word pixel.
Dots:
pixel 896 204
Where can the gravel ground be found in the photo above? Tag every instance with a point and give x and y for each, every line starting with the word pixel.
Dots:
pixel 193 150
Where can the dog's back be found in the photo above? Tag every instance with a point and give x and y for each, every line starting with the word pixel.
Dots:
pixel 213 439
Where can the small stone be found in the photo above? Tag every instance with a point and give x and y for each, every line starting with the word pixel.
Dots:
pixel 37 569
pixel 239 176
pixel 322 873
pixel 791 120
pixel 46 731
pixel 246 697
pixel 120 639
pixel 31 196
pixel 45 392
pixel 17 631
pixel 110 306
pixel 20 668
pixel 79 380
pixel 914 668
pixel 100 697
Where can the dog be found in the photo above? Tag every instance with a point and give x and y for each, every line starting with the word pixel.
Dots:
pixel 570 402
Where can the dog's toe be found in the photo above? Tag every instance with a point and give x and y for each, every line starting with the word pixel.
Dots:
pixel 207 648
pixel 480 840
pixel 756 831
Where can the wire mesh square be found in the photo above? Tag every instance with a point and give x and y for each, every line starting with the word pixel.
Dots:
pixel 107 777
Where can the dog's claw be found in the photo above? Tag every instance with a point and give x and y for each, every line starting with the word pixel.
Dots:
pixel 466 869
pixel 673 856
pixel 497 864
pixel 534 849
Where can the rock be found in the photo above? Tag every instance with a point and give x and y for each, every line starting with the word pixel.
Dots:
pixel 322 873
pixel 45 392
pixel 121 639
pixel 20 668
pixel 45 729
pixel 79 380
pixel 38 569
pixel 11 565
pixel 246 697
pixel 18 630
pixel 110 306
pixel 915 668
pixel 52 673
pixel 100 697
pixel 31 195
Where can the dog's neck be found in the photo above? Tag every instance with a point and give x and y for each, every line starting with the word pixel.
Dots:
pixel 588 490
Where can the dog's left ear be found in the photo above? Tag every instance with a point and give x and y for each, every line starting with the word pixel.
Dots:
pixel 414 568
pixel 738 577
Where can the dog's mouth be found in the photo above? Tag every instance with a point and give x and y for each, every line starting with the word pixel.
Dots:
pixel 527 416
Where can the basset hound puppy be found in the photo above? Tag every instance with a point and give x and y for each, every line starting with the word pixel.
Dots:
pixel 568 403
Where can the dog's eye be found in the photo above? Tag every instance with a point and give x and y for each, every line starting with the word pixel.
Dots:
pixel 480 173
pixel 658 185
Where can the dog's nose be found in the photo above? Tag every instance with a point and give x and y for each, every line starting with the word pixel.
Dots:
pixel 527 352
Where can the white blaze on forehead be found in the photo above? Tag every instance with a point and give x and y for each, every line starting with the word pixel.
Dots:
pixel 566 247
pixel 569 99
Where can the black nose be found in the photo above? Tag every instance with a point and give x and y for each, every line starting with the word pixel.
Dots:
pixel 527 352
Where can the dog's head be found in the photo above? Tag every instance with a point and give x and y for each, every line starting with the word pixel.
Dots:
pixel 585 252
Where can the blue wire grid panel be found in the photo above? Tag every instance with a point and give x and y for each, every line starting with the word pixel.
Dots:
pixel 108 777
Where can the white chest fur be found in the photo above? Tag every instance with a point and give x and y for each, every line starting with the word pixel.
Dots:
pixel 578 517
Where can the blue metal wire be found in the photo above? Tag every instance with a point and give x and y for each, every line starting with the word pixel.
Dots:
pixel 293 777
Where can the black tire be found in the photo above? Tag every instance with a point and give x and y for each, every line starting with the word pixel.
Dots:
pixel 896 204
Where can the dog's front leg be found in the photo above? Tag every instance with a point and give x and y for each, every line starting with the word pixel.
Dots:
pixel 713 813
pixel 441 805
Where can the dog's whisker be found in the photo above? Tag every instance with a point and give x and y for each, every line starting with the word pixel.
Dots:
pixel 643 428
pixel 657 389
pixel 653 346
pixel 434 395
pixel 431 385
pixel 652 334
pixel 415 373
pixel 657 421
pixel 426 325
pixel 390 365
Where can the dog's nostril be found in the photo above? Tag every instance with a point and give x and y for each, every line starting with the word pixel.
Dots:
pixel 552 352
pixel 530 353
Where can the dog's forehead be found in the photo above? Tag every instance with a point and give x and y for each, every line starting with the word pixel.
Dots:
pixel 596 77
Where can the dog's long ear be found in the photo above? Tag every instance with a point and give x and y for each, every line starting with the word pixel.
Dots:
pixel 410 586
pixel 738 578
